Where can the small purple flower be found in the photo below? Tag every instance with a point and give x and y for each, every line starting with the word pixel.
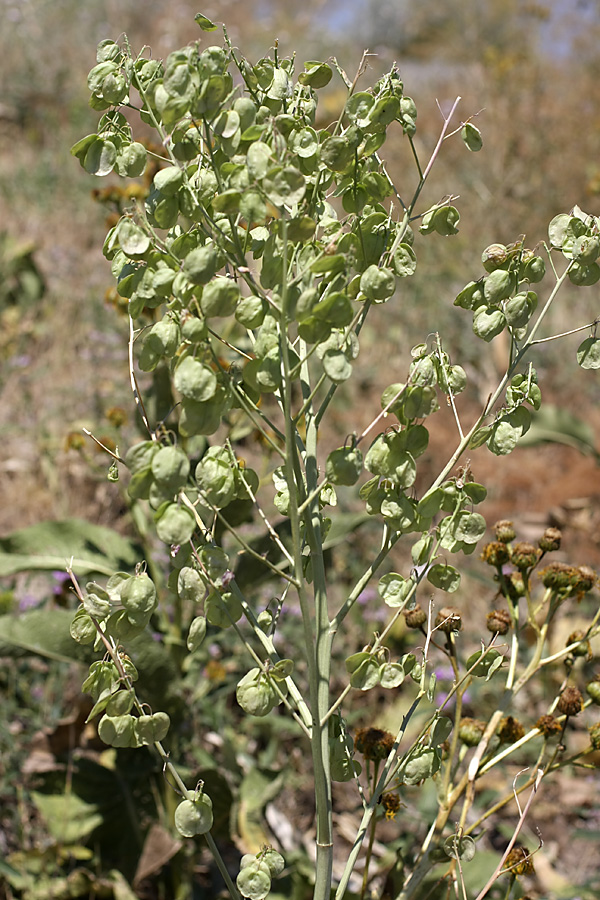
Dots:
pixel 28 601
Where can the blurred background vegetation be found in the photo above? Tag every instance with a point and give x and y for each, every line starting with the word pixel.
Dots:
pixel 530 69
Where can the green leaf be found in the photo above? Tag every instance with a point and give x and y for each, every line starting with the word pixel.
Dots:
pixel 204 23
pixel 442 728
pixel 50 545
pixel 480 664
pixel 69 819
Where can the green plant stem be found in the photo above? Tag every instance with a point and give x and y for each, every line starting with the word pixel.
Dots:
pixel 317 638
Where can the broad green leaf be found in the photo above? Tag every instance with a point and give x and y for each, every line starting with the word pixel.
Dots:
pixel 50 545
pixel 69 819
pixel 480 664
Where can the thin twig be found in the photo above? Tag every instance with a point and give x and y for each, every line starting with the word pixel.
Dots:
pixel 520 823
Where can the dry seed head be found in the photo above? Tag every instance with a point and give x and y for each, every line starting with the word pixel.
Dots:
pixel 505 531
pixel 510 730
pixel 550 540
pixel 448 619
pixel 498 621
pixel 524 555
pixel 570 701
pixel 415 618
pixel 548 725
pixel 374 743
pixel 495 553
pixel 519 861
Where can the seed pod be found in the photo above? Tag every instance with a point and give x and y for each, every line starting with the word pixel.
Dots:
pixel 255 693
pixel 471 137
pixel 344 465
pixel 222 610
pixel 117 731
pixel 377 284
pixel 138 596
pixel 254 881
pixel 273 860
pixel 193 329
pixel 220 297
pixel 497 286
pixel 518 310
pixel 534 270
pixel 494 257
pixel 82 628
pixel 120 703
pixel 150 729
pixel 196 633
pixel 171 467
pixel 190 587
pixel 194 816
pixel 201 264
pixel 586 249
pixel 488 322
